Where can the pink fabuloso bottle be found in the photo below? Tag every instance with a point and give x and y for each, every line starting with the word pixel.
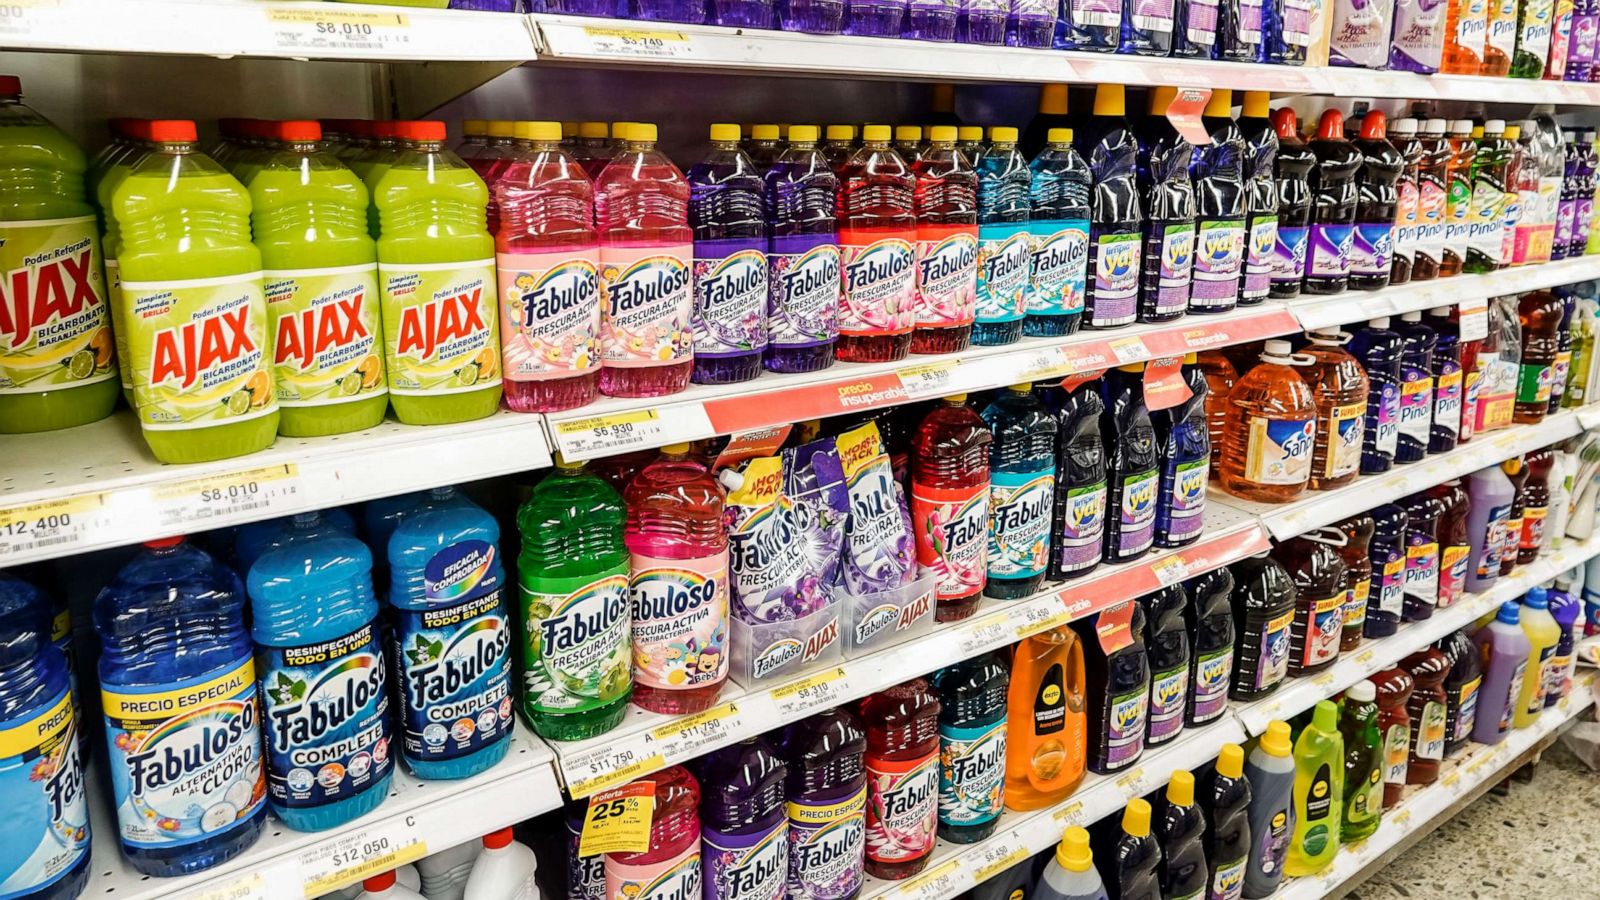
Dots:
pixel 641 210
pixel 678 549
pixel 671 867
pixel 877 244
pixel 547 256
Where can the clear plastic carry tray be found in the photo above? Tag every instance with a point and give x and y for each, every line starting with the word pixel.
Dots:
pixel 875 621
pixel 778 651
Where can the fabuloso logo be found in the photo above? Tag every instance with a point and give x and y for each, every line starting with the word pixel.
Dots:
pixel 1028 504
pixel 982 760
pixel 882 261
pixel 187 745
pixel 682 882
pixel 568 286
pixel 307 334
pixel 877 619
pixel 816 272
pixel 965 527
pixel 777 656
pixel 670 593
pixel 472 652
pixel 36 295
pixel 1061 255
pixel 1008 262
pixel 425 326
pixel 911 795
pixel 765 536
pixel 832 845
pixel 952 259
pixel 64 790
pixel 586 615
pixel 215 339
pixel 737 277
pixel 335 698
pixel 647 282
pixel 761 873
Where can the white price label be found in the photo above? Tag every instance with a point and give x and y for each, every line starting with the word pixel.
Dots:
pixel 1171 570
pixel 936 883
pixel 930 379
pixel 690 736
pixel 638 43
pixel 1129 350
pixel 349 858
pixel 593 436
pixel 54 525
pixel 1474 324
pixel 1033 618
pixel 1071 814
pixel 299 29
pixel 997 855
pixel 1132 783
pixel 986 635
pixel 212 500
pixel 24 18
pixel 1043 365
pixel 823 690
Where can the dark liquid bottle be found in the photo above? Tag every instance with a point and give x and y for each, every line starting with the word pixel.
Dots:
pixel 1357 531
pixel 1261 198
pixel 1115 216
pixel 1407 212
pixel 972 746
pixel 1184 442
pixel 1118 674
pixel 1433 192
pixel 1318 575
pixel 1378 349
pixel 1263 610
pixel 1293 177
pixel 1517 471
pixel 1460 689
pixel 1387 550
pixel 1209 618
pixel 1132 465
pixel 1448 383
pixel 1540 314
pixel 1169 240
pixel 1372 247
pixel 1429 718
pixel 1166 642
pixel 1221 210
pixel 1568 295
pixel 1454 544
pixel 1225 793
pixel 1180 830
pixel 1134 856
pixel 1416 388
pixel 1535 505
pixel 1421 594
pixel 1394 727
pixel 1078 523
pixel 1333 212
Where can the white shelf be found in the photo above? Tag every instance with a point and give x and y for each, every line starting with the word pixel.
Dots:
pixel 417 819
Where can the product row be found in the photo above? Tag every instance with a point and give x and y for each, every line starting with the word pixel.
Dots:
pixel 1549 39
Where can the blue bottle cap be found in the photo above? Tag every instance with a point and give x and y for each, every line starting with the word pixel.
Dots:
pixel 1510 613
pixel 1536 598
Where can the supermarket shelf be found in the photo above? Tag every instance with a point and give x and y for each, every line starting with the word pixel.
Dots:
pixel 417 819
pixel 617 425
pixel 647 742
pixel 1300 694
pixel 65 492
pixel 1359 306
pixel 1422 809
pixel 958 867
pixel 1318 508
pixel 1342 82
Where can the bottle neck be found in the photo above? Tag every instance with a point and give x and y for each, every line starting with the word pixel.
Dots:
pixel 174 149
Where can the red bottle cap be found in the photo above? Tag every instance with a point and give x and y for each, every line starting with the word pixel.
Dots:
pixel 379 882
pixel 137 129
pixel 1285 123
pixel 385 129
pixel 1375 125
pixel 1331 125
pixel 164 543
pixel 10 86
pixel 420 131
pixel 496 840
pixel 300 131
pixel 172 131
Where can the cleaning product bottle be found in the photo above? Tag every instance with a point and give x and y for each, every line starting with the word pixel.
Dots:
pixel 1221 208
pixel 1179 832
pixel 1005 249
pixel 1261 192
pixel 1421 594
pixel 1455 543
pixel 1394 687
pixel 827 808
pixel 1318 793
pixel 1534 26
pixel 1561 369
pixel 902 766
pixel 1318 575
pixel 1540 314
pixel 1271 430
pixel 1070 874
pixel 1419 34
pixel 1517 473
pixel 802 257
pixel 1263 610
pixel 1118 685
pixel 1466 28
pixel 324 686
pixel 1227 833
pixel 1022 468
pixel 744 832
pixel 1360 36
pixel 1167 646
pixel 1379 351
pixel 1372 248
pixel 1333 215
pixel 972 746
pixel 1271 774
pixel 1445 424
pixel 1433 183
pixel 385 886
pixel 1427 708
pixel 1079 520
pixel 1543 635
pixel 1211 640
pixel 1339 388
pixel 1059 227
pixel 1501 40
pixel 451 643
pixel 1388 549
pixel 1293 177
pixel 444 873
pixel 1135 857
pixel 1356 553
pixel 1458 194
pixel 1535 505
pixel 1461 687
pixel 173 594
pixel 671 865
pixel 1184 445
pixel 1407 221
pixel 1505 650
pixel 877 246
pixel 505 868
pixel 1046 729
pixel 1564 608
pixel 728 214
pixel 1363 763
pixel 1220 376
pixel 950 504
pixel 1490 182
pixel 1169 241
pixel 1418 342
pixel 1132 460
pixel 946 204
pixel 1115 232
pixel 1489 499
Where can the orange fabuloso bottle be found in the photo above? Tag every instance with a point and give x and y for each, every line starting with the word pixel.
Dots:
pixel 1270 431
pixel 1047 740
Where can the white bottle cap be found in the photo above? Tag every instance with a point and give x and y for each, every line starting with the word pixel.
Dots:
pixel 1413 316
pixel 1434 126
pixel 1277 348
pixel 1461 125
pixel 1494 125
pixel 1362 692
pixel 1379 322
pixel 1403 126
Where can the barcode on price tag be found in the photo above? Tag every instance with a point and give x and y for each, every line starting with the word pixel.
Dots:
pixel 19 18
pixel 1037 617
pixel 689 737
pixel 937 882
pixel 1000 855
pixel 309 29
pixel 984 635
pixel 352 857
pixel 211 499
pixel 592 436
pixel 50 524
pixel 1132 783
pixel 820 691
pixel 1170 571
pixel 1071 814
pixel 606 767
pixel 638 43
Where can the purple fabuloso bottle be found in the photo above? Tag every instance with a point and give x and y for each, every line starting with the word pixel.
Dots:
pixel 744 829
pixel 876 18
pixel 802 257
pixel 728 216
pixel 1360 35
pixel 1581 48
pixel 1418 43
pixel 932 20
pixel 691 12
pixel 983 21
pixel 811 16
pixel 1030 23
pixel 743 13
pixel 827 794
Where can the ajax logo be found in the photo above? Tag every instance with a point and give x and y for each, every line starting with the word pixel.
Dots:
pixel 647 282
pixel 305 335
pixel 36 295
pixel 442 320
pixel 214 339
pixel 574 284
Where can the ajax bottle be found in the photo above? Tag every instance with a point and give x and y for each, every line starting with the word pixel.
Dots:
pixel 1543 635
pixel 1357 531
pixel 1427 709
pixel 577 660
pixel 1169 242
pixel 1079 520
pixel 324 685
pixel 950 504
pixel 1372 250
pixel 1461 686
pixel 1135 855
pixel 436 267
pixel 1505 649
pixel 727 211
pixel 1046 729
pixel 139 146
pixel 1118 685
pixel 505 868
pixel 1271 430
pixel 1318 575
pixel 972 747
pixel 827 797
pixel 1059 226
pixel 1070 874
pixel 1261 193
pixel 1227 833
pixel 1271 773
pixel 1221 209
pixel 1133 465
pixel 802 257
pixel 1340 388
pixel 744 831
pixel 671 866
pixel 1022 467
pixel 1185 450
pixel 1115 222
pixel 191 279
pixel 1318 793
pixel 1363 763
pixel 678 584
pixel 1209 619
pixel 902 765
pixel 1334 207
pixel 547 256
pixel 1263 611
pixel 1179 831
pixel 1378 350
pixel 452 637
pixel 1166 643
pixel 1005 247
pixel 1293 167
pixel 58 370
pixel 946 204
pixel 174 594
pixel 641 209
pixel 877 238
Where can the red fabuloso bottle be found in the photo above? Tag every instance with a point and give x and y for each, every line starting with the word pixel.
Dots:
pixel 1394 727
pixel 671 867
pixel 902 764
pixel 1427 707
pixel 950 504
pixel 877 248
pixel 947 246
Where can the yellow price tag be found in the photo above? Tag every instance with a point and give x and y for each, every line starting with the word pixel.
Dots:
pixel 611 433
pixel 1069 814
pixel 258 492
pixel 934 379
pixel 597 423
pixel 299 16
pixel 611 777
pixel 618 820
pixel 995 867
pixel 824 688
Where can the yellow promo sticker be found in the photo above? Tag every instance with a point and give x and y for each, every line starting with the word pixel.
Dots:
pixel 299 15
pixel 618 820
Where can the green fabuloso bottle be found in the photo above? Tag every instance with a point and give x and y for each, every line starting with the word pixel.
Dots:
pixel 1363 768
pixel 573 572
pixel 1318 793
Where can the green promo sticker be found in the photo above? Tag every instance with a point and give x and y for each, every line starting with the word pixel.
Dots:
pixel 55 324
pixel 325 328
pixel 440 328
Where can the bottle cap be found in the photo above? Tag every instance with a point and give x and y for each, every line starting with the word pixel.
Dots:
pixel 905 133
pixel 379 883
pixel 678 449
pixel 1331 126
pixel 1221 103
pixel 944 98
pixel 1053 99
pixel 568 130
pixel 1230 761
pixel 803 134
pixel 1021 388
pixel 497 840
pixel 619 130
pixel 1412 316
pixel 942 134
pixel 474 127
pixel 1285 123
pixel 1131 367
pixel 1510 613
pixel 1256 104
pixel 725 133
pixel 172 131
pixel 1277 348
pixel 1002 134
pixel 1379 322
pixel 764 132
pixel 1461 126
pixel 1190 359
pixel 1110 100
pixel 1276 740
pixel 1180 790
pixel 871 132
pixel 1403 126
pixel 1325 716
pixel 1058 136
pixel 1373 125
pixel 841 132
pixel 1513 132
pixel 1073 851
pixel 1362 691
pixel 543 132
pixel 11 86
pixel 1537 598
pixel 425 131
pixel 501 128
pixel 565 464
pixel 972 134
pixel 593 130
pixel 644 132
pixel 1136 818
pixel 1160 99
pixel 1434 127
pixel 299 131
pixel 1477 132
pixel 1511 466
pixel 164 543
pixel 955 398
pixel 1494 126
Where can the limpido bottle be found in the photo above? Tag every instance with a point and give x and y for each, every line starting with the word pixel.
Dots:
pixel 1270 432
pixel 1212 636
pixel 1180 827
pixel 1226 805
pixel 1261 193
pixel 1079 519
pixel 1166 642
pixel 1022 479
pixel 1184 445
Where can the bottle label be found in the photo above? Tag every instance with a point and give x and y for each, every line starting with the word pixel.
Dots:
pixel 1328 254
pixel 803 299
pixel 1050 703
pixel 826 843
pixel 677 878
pixel 1324 623
pixel 1565 211
pixel 576 653
pixel 325 325
pixel 1177 266
pixel 1513 693
pixel 1582 45
pixel 1486 216
pixel 1541 672
pixel 1344 430
pixel 880 284
pixel 1503 26
pixel 952 526
pixel 441 329
pixel 1218 263
pixel 680 621
pixel 185 757
pixel 1187 505
pixel 1274 841
pixel 1371 248
pixel 1431 200
pixel 1419 31
pixel 1005 262
pixel 41 781
pixel 1430 731
pixel 1152 15
pixel 1466 709
pixel 1138 514
pixel 1083 527
pixel 1227 882
pixel 1392 584
pixel 1355 604
pixel 1273 656
pixel 1322 820
pixel 1200 26
pixel 1452 573
pixel 1125 727
pixel 55 321
pixel 947 266
pixel 1407 219
pixel 1416 405
pixel 1289 254
pixel 902 808
pixel 746 866
pixel 1259 260
pixel 972 773
pixel 1367 800
pixel 1096 13
pixel 1396 753
pixel 1555 676
pixel 1558 374
pixel 197 351
pixel 730 297
pixel 1471 387
pixel 1116 280
pixel 1169 695
pixel 1447 400
pixel 647 305
pixel 1535 37
pixel 1472 25
pixel 586 875
pixel 1279 450
pixel 455 657
pixel 119 328
pixel 1387 421
pixel 550 313
pixel 1059 268
pixel 1533 519
pixel 1020 506
pixel 1511 539
pixel 1533 383
pixel 1495 532
pixel 327 708
pixel 1360 34
pixel 1422 569
pixel 1212 671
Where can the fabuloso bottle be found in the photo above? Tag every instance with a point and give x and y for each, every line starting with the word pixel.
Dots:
pixel 902 765
pixel 308 216
pixel 744 832
pixel 972 747
pixel 198 342
pixel 1005 247
pixel 1022 479
pixel 1318 793
pixel 670 866
pixel 827 798
pixel 946 204
pixel 1059 227
pixel 802 257
pixel 950 484
pixel 1045 724
pixel 436 268
pixel 877 245
pixel 727 211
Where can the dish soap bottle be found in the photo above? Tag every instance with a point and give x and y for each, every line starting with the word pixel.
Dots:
pixel 1046 729
pixel 1318 793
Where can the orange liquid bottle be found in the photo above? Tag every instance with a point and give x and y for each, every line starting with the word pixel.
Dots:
pixel 1340 387
pixel 1466 26
pixel 1501 39
pixel 1220 376
pixel 1046 730
pixel 1270 431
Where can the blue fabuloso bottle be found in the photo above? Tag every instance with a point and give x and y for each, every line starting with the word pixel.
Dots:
pixel 1005 250
pixel 379 519
pixel 178 691
pixel 45 854
pixel 1022 483
pixel 324 688
pixel 452 637
pixel 1059 224
pixel 255 538
pixel 1184 444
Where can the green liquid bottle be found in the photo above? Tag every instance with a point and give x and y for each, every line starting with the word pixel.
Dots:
pixel 1363 763
pixel 436 268
pixel 138 131
pixel 56 368
pixel 309 215
pixel 577 662
pixel 1535 21
pixel 1318 795
pixel 1486 213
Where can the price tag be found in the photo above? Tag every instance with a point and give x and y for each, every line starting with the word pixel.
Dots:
pixel 997 855
pixel 638 43
pixel 246 886
pixel 1129 350
pixel 930 379
pixel 1170 571
pixel 1474 314
pixel 608 766
pixel 934 884
pixel 1131 783
pixel 1184 114
pixel 348 859
pixel 211 499
pixel 603 435
pixel 1324 679
pixel 1036 617
pixel 1365 656
pixel 55 525
pixel 618 820
pixel 820 691
pixel 1401 817
pixel 1071 814
pixel 305 29
pixel 1043 365
pixel 691 736
pixel 984 635
pixel 1451 779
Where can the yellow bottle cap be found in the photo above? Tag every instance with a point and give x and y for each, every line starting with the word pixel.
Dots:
pixel 956 398
pixel 502 128
pixel 523 131
pixel 1073 851
pixel 764 132
pixel 593 130
pixel 942 134
pixel 1053 99
pixel 1160 99
pixel 1230 761
pixel 1110 100
pixel 569 129
pixel 1477 131
pixel 1003 134
pixel 474 127
pixel 676 449
pixel 944 98
pixel 723 132
pixel 1136 818
pixel 619 130
pixel 1131 367
pixel 1513 132
pixel 875 133
pixel 1221 102
pixel 841 132
pixel 1511 466
pixel 1256 104
pixel 1276 741
pixel 1180 790
pixel 969 134
pixel 566 464
pixel 642 131
pixel 802 134
pixel 908 132
pixel 545 131
pixel 1022 388
pixel 1059 136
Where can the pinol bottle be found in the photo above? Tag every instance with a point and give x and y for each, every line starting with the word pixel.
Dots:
pixel 1333 211
pixel 728 214
pixel 1261 197
pixel 1059 227
pixel 1022 477
pixel 877 237
pixel 46 852
pixel 744 832
pixel 324 687
pixel 1221 207
pixel 1005 246
pixel 452 637
pixel 947 245
pixel 802 257
pixel 1164 157
pixel 162 707
pixel 1378 349
pixel 1115 218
